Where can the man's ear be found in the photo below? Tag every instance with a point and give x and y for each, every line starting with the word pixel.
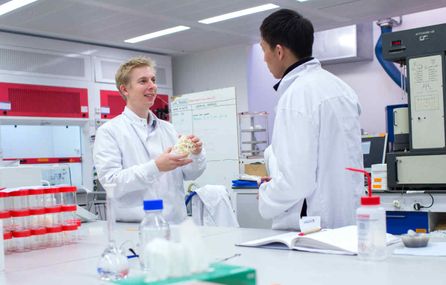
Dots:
pixel 280 51
pixel 123 90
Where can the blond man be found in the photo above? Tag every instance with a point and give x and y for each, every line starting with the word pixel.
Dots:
pixel 134 150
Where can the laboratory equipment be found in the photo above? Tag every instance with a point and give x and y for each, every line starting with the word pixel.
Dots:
pixel 421 51
pixel 397 118
pixel 151 227
pixel 374 150
pixel 113 263
pixel 371 222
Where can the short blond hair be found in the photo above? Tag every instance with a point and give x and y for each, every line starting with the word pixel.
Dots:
pixel 122 75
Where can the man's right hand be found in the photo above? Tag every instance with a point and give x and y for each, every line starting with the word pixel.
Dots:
pixel 168 161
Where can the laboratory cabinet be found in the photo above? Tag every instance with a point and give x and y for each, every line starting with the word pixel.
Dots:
pixel 246 206
pixel 43 101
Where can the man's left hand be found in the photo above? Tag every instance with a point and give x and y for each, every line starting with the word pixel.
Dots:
pixel 197 143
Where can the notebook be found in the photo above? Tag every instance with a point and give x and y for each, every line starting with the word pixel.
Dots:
pixel 332 241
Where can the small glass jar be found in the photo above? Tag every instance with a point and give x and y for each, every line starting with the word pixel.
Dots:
pixel 36 198
pixel 21 240
pixel 37 218
pixel 19 199
pixel 7 239
pixel 38 238
pixel 20 220
pixel 68 214
pixel 70 233
pixel 53 217
pixel 4 202
pixel 54 236
pixel 68 195
pixel 52 197
pixel 5 216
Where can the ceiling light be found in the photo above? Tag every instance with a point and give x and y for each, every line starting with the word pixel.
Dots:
pixel 14 4
pixel 157 34
pixel 302 0
pixel 240 13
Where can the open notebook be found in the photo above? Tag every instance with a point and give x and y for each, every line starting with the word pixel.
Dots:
pixel 334 241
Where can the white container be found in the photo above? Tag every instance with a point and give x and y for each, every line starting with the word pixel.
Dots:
pixel 371 221
pixel 379 177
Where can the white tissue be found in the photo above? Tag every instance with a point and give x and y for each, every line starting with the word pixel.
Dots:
pixel 175 259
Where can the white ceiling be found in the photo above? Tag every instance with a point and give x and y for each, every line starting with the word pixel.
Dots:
pixel 110 22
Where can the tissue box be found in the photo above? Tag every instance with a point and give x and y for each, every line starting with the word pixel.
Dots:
pixel 218 273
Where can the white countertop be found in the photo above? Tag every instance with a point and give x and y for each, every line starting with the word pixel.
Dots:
pixel 76 264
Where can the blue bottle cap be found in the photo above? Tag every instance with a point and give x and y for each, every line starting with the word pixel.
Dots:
pixel 150 205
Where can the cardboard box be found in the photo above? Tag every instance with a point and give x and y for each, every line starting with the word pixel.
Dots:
pixel 257 169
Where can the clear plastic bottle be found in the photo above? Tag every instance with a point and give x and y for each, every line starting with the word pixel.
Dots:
pixel 152 226
pixel 371 221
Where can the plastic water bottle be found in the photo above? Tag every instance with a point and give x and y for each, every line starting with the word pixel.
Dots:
pixel 152 226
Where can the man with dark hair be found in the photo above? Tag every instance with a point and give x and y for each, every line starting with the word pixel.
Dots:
pixel 316 132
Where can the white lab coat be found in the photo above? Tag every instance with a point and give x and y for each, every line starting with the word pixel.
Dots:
pixel 211 206
pixel 124 154
pixel 316 136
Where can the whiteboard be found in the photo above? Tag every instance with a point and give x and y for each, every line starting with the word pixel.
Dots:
pixel 211 116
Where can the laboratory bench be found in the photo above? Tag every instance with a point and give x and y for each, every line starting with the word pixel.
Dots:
pixel 76 263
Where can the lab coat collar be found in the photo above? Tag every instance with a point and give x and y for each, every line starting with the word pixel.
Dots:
pixel 291 67
pixel 135 119
pixel 296 72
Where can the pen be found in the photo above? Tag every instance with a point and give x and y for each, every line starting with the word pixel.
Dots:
pixel 310 231
pixel 135 255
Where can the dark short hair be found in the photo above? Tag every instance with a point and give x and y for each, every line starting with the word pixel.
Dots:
pixel 290 29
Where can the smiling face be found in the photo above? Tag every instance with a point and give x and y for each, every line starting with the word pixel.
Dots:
pixel 140 91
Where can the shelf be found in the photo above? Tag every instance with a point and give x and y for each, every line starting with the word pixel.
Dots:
pixel 252 130
pixel 252 151
pixel 254 142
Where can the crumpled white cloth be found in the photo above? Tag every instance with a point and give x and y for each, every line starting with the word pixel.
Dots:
pixel 212 207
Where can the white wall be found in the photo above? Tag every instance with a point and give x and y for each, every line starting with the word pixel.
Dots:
pixel 219 68
pixel 373 86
